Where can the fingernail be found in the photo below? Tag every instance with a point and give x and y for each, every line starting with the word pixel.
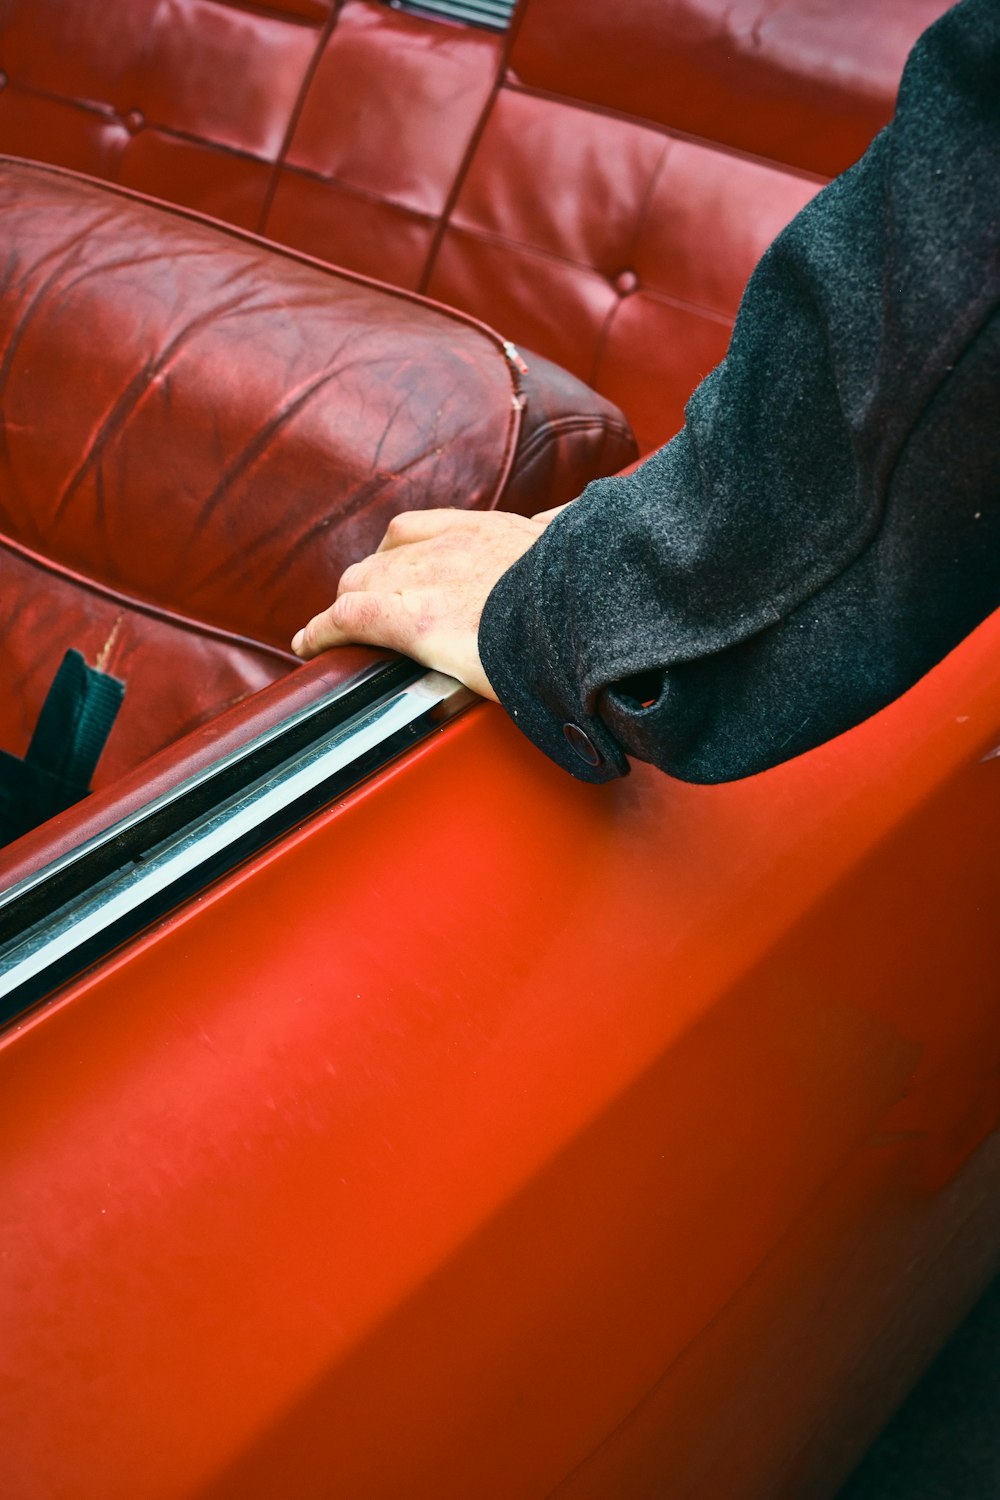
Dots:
pixel 297 640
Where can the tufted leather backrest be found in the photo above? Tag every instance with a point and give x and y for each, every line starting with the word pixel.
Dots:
pixel 191 99
pixel 602 199
pixel 803 82
pixel 387 120
pixel 340 129
pixel 638 160
pixel 617 247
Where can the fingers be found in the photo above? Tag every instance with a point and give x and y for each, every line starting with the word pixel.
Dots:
pixel 373 619
pixel 369 605
pixel 421 525
pixel 422 593
pixel 319 634
pixel 400 623
pixel 383 572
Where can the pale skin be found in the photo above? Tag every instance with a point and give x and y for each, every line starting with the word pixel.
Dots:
pixel 423 590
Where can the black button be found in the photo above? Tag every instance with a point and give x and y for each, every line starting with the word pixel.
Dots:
pixel 582 745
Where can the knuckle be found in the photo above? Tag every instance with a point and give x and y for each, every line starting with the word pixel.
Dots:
pixel 353 612
pixel 399 526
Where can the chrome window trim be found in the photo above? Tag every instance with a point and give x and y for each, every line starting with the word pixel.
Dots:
pixel 63 942
pixel 491 15
pixel 212 772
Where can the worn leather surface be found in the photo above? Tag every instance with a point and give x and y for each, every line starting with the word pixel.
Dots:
pixel 178 505
pixel 602 199
pixel 177 672
pixel 386 121
pixel 638 160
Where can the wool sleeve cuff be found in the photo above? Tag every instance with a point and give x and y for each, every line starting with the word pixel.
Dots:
pixel 542 693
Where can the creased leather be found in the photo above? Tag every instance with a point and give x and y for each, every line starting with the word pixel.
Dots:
pixel 200 432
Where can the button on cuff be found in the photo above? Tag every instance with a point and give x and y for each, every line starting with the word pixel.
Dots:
pixel 582 745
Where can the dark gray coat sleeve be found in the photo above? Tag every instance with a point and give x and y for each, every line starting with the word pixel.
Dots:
pixel 827 525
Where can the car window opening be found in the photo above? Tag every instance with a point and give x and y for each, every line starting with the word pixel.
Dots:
pixel 492 15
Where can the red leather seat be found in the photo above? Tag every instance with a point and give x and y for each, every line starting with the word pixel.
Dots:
pixel 201 432
pixel 598 184
pixel 638 160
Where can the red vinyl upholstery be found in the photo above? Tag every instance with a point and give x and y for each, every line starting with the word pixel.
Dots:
pixel 601 195
pixel 386 123
pixel 176 507
pixel 614 279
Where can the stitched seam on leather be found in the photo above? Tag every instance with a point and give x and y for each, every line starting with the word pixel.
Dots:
pixel 558 427
pixel 153 611
pixel 642 123
pixel 206 143
pixel 105 112
pixel 640 224
pixel 110 116
pixel 368 195
pixel 293 120
pixel 564 260
pixel 444 218
pixel 494 237
pixel 711 314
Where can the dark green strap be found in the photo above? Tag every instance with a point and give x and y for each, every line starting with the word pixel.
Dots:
pixel 73 727
pixel 76 719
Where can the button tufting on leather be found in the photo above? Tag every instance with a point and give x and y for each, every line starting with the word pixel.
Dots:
pixel 625 283
pixel 582 745
pixel 134 121
pixel 3 80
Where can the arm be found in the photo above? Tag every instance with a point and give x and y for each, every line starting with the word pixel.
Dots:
pixel 824 528
pixel 808 545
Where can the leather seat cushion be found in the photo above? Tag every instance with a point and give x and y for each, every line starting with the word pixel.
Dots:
pixel 201 431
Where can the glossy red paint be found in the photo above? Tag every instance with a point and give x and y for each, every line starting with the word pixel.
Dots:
pixel 371 1173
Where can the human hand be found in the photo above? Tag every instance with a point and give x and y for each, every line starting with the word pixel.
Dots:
pixel 423 591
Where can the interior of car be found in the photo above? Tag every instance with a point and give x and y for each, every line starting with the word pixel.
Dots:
pixel 267 325
pixel 695 1203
